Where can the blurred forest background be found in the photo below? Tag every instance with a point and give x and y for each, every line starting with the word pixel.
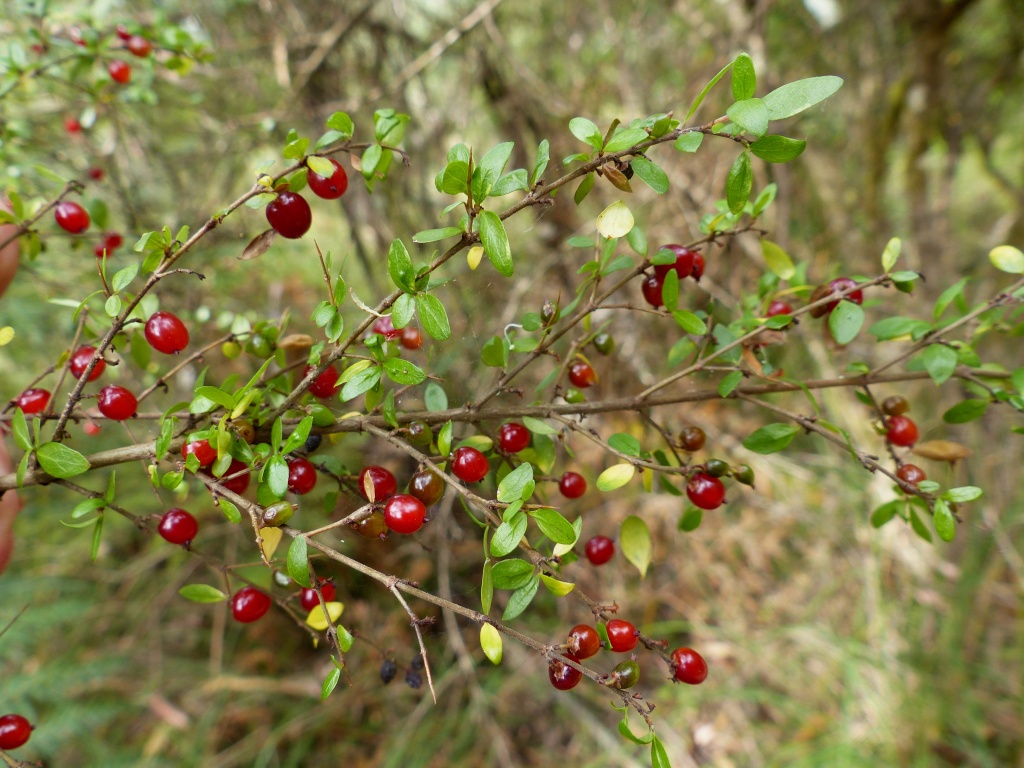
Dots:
pixel 830 643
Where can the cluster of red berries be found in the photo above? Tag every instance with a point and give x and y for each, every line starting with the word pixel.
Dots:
pixel 290 215
pixel 409 337
pixel 14 731
pixel 833 287
pixel 402 512
pixel 688 263
pixel 902 431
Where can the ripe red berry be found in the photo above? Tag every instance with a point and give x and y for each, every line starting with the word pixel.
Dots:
pixel 289 215
pixel 91 428
pixel 301 476
pixel 122 32
pixel 911 474
pixel 705 491
pixel 469 465
pixel 110 243
pixel 600 550
pixel 117 403
pixel 835 286
pixel 139 46
pixel 404 513
pixel 96 174
pixel 684 262
pixel 120 71
pixel 698 267
pixel 382 481
pixel 581 374
pixel 72 217
pixel 651 289
pixel 562 676
pixel 202 450
pixel 778 307
pixel 513 437
pixel 622 635
pixel 309 600
pixel 411 337
pixel 14 731
pixel 688 666
pixel 385 326
pixel 237 484
pixel 328 187
pixel 427 486
pixel 81 358
pixel 249 604
pixel 323 386
pixel 178 526
pixel 902 431
pixel 572 485
pixel 166 333
pixel 71 125
pixel 76 36
pixel 583 642
pixel 33 400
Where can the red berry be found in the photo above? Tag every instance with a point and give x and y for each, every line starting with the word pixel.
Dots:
pixel 835 286
pixel 301 476
pixel 427 486
pixel 289 215
pixel 778 307
pixel 96 174
pixel 120 71
pixel 404 513
pixel 71 217
pixel 80 360
pixel 117 403
pixel 237 484
pixel 178 526
pixel 622 635
pixel 705 491
pixel 581 374
pixel 385 326
pixel 698 267
pixel 684 262
pixel 411 337
pixel 249 604
pixel 33 400
pixel 688 666
pixel 911 474
pixel 651 289
pixel 323 386
pixel 382 481
pixel 469 465
pixel 902 431
pixel 122 32
pixel 583 642
pixel 600 550
pixel 76 37
pixel 513 437
pixel 14 731
pixel 562 676
pixel 111 242
pixel 328 187
pixel 91 428
pixel 166 333
pixel 71 125
pixel 139 46
pixel 309 599
pixel 572 485
pixel 692 438
pixel 203 451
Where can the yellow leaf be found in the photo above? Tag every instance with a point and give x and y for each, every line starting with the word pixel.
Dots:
pixel 271 538
pixel 615 477
pixel 6 334
pixel 556 587
pixel 615 221
pixel 316 617
pixel 476 253
pixel 490 641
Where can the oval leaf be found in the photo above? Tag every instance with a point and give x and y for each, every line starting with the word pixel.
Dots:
pixel 298 562
pixel 615 477
pixel 845 322
pixel 490 641
pixel 495 242
pixel 635 540
pixel 58 460
pixel 554 526
pixel 793 98
pixel 771 438
pixel 556 587
pixel 777 260
pixel 615 221
pixel 202 593
pixel 316 618
pixel 777 149
pixel 1007 259
pixel 271 538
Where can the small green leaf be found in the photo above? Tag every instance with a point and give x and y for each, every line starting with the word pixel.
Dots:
pixel 202 593
pixel 400 267
pixel 919 527
pixel 508 535
pixel 689 141
pixel 433 316
pixel 777 260
pixel 670 290
pixel 845 321
pixel 659 757
pixel 521 599
pixel 230 510
pixel 891 253
pixel 541 164
pixel 895 327
pixel 777 149
pixel 771 438
pixel 689 322
pixel 615 477
pixel 751 115
pixel 123 277
pixel 624 443
pixel 652 175
pixel 554 526
pixel 886 512
pixel 1006 258
pixel 444 439
pixel 330 683
pixel 495 352
pixel 403 372
pixel 216 395
pixel 583 189
pixel 59 461
pixel 486 585
pixel 586 131
pixel 965 411
pixel 556 587
pixel 112 306
pixel 276 475
pixel 512 485
pixel 940 361
pixel 707 88
pixel 511 574
pixel 729 383
pixel 625 138
pixel 945 525
pixel 21 433
pixel 744 81
pixel 963 494
pixel 434 397
pixel 635 540
pixel 739 183
pixel 433 235
pixel 490 642
pixel 495 242
pixel 298 561
pixel 793 98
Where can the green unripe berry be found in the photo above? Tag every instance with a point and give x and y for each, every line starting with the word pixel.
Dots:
pixel 278 514
pixel 716 467
pixel 744 474
pixel 626 674
pixel 573 395
pixel 604 343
